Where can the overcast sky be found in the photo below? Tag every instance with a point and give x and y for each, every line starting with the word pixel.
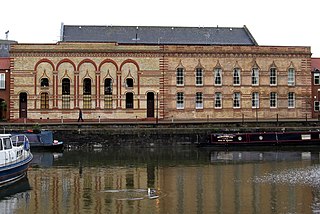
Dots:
pixel 271 22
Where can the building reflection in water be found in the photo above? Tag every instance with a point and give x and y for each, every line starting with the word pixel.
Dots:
pixel 188 181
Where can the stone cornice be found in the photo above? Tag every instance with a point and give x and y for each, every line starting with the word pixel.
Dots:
pixel 177 54
pixel 160 51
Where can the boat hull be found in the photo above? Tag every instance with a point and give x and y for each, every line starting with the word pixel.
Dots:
pixel 264 139
pixel 44 141
pixel 15 171
pixel 41 147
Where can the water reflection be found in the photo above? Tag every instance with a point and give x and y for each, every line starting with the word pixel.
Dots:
pixel 183 180
pixel 13 196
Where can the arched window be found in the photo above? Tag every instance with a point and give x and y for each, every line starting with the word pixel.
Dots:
pixel 129 83
pixel 108 86
pixel 66 86
pixel 44 82
pixel 108 93
pixel 87 86
pixel 44 100
pixel 65 93
pixel 180 76
pixel 87 93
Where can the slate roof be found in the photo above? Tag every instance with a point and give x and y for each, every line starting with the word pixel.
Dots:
pixel 158 35
pixel 5 47
pixel 315 63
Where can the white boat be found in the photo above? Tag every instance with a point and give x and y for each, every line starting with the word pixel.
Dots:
pixel 15 158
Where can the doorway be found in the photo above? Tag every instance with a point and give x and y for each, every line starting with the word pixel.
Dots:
pixel 23 105
pixel 150 104
pixel 3 109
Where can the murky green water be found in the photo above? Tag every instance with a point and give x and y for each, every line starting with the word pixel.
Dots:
pixel 168 180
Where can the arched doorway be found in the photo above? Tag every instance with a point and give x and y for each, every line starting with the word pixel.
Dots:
pixel 23 105
pixel 3 109
pixel 150 104
pixel 129 100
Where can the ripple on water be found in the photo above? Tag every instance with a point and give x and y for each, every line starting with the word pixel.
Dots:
pixel 307 176
pixel 133 194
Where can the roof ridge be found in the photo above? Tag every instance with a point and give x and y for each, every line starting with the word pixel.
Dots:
pixel 155 26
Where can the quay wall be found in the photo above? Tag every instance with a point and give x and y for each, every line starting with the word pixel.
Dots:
pixel 129 134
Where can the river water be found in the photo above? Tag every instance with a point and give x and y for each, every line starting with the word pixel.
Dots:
pixel 167 180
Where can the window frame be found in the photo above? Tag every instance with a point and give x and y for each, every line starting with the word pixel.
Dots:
pixel 291 77
pixel 199 76
pixel 218 78
pixel 273 76
pixel 273 100
pixel 129 100
pixel 316 78
pixel 65 86
pixel 44 100
pixel 2 81
pixel 108 86
pixel 199 100
pixel 218 100
pixel 291 100
pixel 316 106
pixel 129 82
pixel 87 86
pixel 180 100
pixel 44 82
pixel 236 100
pixel 255 73
pixel 255 100
pixel 180 76
pixel 236 76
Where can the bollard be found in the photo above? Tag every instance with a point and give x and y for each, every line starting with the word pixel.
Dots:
pixel 99 118
pixel 61 119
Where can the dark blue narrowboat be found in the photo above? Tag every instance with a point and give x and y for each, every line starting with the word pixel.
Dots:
pixel 302 138
pixel 43 140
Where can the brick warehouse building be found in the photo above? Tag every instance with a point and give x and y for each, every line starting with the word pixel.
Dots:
pixel 5 78
pixel 121 72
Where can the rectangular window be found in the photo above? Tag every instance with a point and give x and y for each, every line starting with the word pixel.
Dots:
pixel 291 100
pixel 316 105
pixel 66 101
pixel 87 101
pixel 291 77
pixel 218 76
pixel 316 77
pixel 199 76
pixel 129 100
pixel 108 101
pixel 7 143
pixel 180 100
pixel 255 76
pixel 44 101
pixel 199 100
pixel 236 76
pixel 236 100
pixel 255 100
pixel 217 100
pixel 180 76
pixel 273 100
pixel 2 81
pixel 273 76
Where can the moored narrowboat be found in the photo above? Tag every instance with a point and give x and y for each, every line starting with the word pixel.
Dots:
pixel 301 138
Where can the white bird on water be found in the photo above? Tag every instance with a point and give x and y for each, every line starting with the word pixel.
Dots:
pixel 152 194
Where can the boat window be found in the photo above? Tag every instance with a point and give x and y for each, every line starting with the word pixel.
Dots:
pixel 7 143
pixel 1 145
